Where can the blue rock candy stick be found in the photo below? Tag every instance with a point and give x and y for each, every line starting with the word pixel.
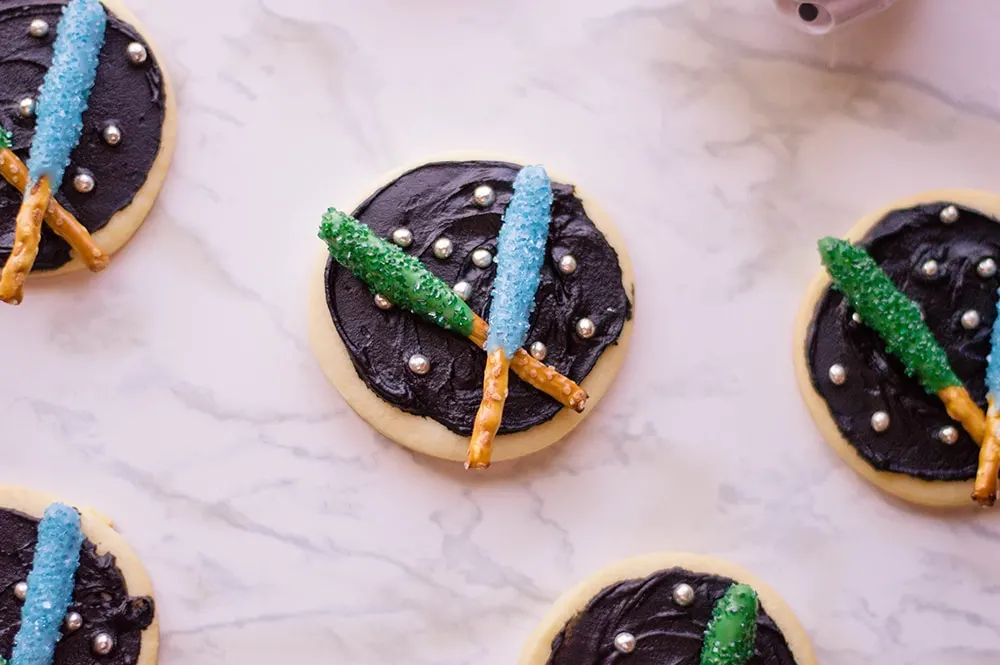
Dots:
pixel 66 89
pixel 993 368
pixel 50 586
pixel 520 253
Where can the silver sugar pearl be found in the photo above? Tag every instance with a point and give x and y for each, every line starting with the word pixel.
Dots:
pixel 856 317
pixel 585 328
pixel 949 215
pixel 929 268
pixel 418 364
pixel 102 644
pixel 880 421
pixel 83 182
pixel 112 134
pixel 538 351
pixel 625 642
pixel 683 594
pixel 463 290
pixel 567 264
pixel 402 237
pixel 838 374
pixel 986 268
pixel 443 248
pixel 484 196
pixel 481 258
pixel 382 302
pixel 21 590
pixel 26 107
pixel 38 28
pixel 970 319
pixel 73 621
pixel 136 53
pixel 948 435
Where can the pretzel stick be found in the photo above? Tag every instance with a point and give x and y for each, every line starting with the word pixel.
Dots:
pixel 57 217
pixel 27 233
pixel 985 492
pixel 535 373
pixel 490 410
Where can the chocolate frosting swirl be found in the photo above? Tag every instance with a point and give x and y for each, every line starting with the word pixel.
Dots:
pixel 665 632
pixel 901 243
pixel 100 596
pixel 436 200
pixel 129 96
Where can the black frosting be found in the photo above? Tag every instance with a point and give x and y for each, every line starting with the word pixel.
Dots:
pixel 436 200
pixel 130 96
pixel 665 632
pixel 901 242
pixel 100 596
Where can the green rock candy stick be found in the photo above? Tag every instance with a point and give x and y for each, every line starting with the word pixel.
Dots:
pixel 388 270
pixel 889 312
pixel 732 632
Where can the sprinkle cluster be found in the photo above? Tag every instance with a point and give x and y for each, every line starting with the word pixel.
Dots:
pixel 5 144
pixel 66 89
pixel 388 270
pixel 732 632
pixel 889 312
pixel 520 254
pixel 50 586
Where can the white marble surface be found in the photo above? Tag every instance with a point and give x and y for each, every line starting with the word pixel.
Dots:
pixel 177 393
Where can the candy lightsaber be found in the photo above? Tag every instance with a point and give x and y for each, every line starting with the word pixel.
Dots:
pixel 405 281
pixel 61 103
pixel 732 632
pixel 520 254
pixel 898 322
pixel 13 170
pixel 985 491
pixel 50 586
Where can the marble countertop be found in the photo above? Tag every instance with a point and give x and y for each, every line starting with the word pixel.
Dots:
pixel 177 391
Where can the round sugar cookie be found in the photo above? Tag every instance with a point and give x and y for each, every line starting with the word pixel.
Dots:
pixel 112 593
pixel 126 168
pixel 452 211
pixel 941 249
pixel 653 610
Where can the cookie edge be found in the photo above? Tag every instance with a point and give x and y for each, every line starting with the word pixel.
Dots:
pixel 425 435
pixel 538 647
pixel 931 493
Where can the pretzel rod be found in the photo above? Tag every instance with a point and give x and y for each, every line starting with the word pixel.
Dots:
pixel 405 281
pixel 27 233
pixel 963 409
pixel 899 323
pixel 490 410
pixel 57 217
pixel 985 492
pixel 537 374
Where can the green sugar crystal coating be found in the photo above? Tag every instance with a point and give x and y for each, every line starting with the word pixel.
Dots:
pixel 732 632
pixel 5 143
pixel 388 270
pixel 889 312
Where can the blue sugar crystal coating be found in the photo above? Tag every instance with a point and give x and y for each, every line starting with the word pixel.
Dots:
pixel 993 368
pixel 520 253
pixel 66 89
pixel 50 586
